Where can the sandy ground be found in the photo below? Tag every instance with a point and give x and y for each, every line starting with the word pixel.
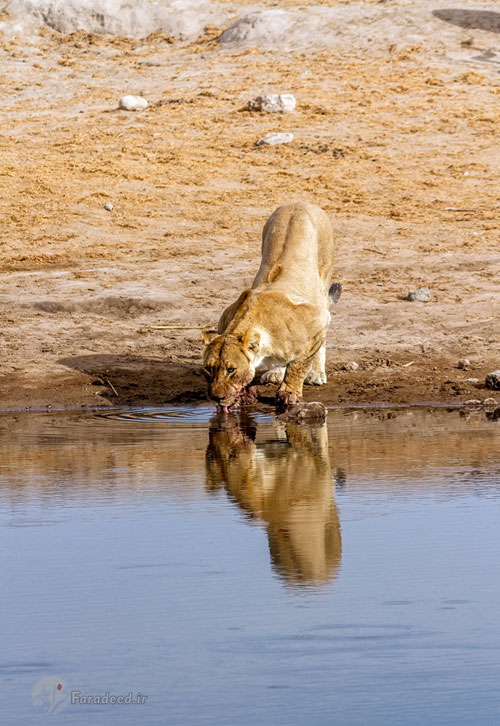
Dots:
pixel 398 138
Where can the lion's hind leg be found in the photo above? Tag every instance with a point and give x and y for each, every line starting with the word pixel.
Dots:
pixel 275 375
pixel 316 375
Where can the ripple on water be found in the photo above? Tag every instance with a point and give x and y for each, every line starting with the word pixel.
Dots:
pixel 177 415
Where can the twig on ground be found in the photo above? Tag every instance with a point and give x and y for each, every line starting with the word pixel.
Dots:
pixel 111 386
pixel 176 327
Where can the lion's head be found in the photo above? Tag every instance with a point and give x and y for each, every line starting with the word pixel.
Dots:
pixel 229 362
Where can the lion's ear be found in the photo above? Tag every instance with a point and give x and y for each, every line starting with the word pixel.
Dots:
pixel 208 333
pixel 251 340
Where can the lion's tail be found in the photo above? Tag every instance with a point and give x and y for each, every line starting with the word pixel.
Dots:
pixel 334 292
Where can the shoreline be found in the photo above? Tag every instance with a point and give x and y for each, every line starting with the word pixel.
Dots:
pixel 430 384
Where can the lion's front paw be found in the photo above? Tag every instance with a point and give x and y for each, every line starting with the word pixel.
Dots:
pixel 275 375
pixel 284 399
pixel 315 378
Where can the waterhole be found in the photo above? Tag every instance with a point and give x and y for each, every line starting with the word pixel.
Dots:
pixel 238 570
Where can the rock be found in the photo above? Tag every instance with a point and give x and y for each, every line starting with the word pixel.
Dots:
pixel 471 380
pixel 262 27
pixel 273 103
pixel 422 294
pixel 132 103
pixel 351 366
pixel 305 412
pixel 490 402
pixel 359 25
pixel 473 402
pixel 464 364
pixel 493 380
pixel 275 138
pixel 108 206
pixel 182 19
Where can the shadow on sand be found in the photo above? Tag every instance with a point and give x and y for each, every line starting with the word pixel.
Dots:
pixel 472 19
pixel 130 380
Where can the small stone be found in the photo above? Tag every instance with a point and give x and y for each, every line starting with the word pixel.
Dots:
pixel 473 402
pixel 493 380
pixel 108 206
pixel 490 402
pixel 273 139
pixel 304 412
pixel 132 103
pixel 464 364
pixel 273 103
pixel 471 380
pixel 351 366
pixel 422 294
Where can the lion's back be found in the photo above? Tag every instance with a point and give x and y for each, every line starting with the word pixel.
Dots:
pixel 297 246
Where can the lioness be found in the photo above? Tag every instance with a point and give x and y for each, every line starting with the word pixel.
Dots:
pixel 278 327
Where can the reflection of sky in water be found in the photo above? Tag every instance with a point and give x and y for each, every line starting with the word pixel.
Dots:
pixel 241 570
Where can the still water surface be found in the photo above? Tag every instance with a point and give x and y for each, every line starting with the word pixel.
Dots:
pixel 241 571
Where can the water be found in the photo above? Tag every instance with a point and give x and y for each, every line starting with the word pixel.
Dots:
pixel 240 571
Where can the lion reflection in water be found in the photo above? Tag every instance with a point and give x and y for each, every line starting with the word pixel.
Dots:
pixel 286 482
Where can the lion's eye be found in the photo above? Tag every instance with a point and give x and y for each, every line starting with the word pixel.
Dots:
pixel 230 370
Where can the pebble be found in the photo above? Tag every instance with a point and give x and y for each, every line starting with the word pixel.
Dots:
pixel 132 103
pixel 275 138
pixel 493 380
pixel 473 402
pixel 471 380
pixel 351 366
pixel 422 294
pixel 463 364
pixel 273 103
pixel 108 206
pixel 302 412
pixel 490 402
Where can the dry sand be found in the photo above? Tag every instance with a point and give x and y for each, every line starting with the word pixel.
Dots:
pixel 396 135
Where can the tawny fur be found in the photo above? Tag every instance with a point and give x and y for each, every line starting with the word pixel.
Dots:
pixel 282 320
pixel 286 482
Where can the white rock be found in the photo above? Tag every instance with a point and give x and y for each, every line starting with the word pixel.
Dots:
pixel 273 103
pixel 132 103
pixel 422 294
pixel 471 380
pixel 108 206
pixel 493 380
pixel 490 402
pixel 351 366
pixel 473 402
pixel 275 138
pixel 463 364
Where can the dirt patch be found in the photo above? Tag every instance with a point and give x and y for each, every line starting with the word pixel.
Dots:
pixel 398 141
